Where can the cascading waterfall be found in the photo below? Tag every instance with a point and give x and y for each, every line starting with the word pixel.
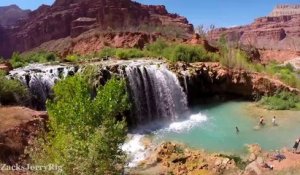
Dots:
pixel 40 79
pixel 154 90
pixel 156 93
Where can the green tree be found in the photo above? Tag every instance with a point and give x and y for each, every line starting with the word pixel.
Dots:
pixel 85 135
pixel 12 91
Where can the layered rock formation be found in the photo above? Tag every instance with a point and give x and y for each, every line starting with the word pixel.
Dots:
pixel 10 15
pixel 280 31
pixel 284 10
pixel 70 19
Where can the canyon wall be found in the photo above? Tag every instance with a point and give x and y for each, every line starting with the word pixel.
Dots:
pixel 279 31
pixel 68 19
pixel 10 15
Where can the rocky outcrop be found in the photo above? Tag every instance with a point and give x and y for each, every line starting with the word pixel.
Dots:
pixel 272 32
pixel 10 15
pixel 92 41
pixel 19 126
pixel 69 19
pixel 285 10
pixel 211 79
pixel 172 158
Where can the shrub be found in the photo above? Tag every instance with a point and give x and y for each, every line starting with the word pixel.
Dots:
pixel 130 53
pixel 72 58
pixel 189 53
pixel 12 91
pixel 107 52
pixel 85 136
pixel 172 52
pixel 281 101
pixel 157 48
pixel 284 73
pixel 18 60
pixel 235 58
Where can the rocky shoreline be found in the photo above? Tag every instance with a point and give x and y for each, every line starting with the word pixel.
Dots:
pixel 176 158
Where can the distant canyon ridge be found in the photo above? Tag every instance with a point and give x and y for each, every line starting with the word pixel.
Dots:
pixel 279 31
pixel 86 26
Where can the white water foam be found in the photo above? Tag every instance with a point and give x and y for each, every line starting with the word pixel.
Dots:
pixel 138 152
pixel 135 149
pixel 186 125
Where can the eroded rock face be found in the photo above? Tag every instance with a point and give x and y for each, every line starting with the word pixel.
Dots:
pixel 210 79
pixel 279 32
pixel 70 19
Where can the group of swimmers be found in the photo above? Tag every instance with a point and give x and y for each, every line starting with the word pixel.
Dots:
pixel 262 123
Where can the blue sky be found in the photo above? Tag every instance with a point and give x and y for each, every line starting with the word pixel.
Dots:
pixel 222 13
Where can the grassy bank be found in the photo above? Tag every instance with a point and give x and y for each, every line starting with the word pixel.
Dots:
pixel 281 101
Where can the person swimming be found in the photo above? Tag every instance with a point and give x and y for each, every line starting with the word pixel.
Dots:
pixel 237 130
pixel 261 121
pixel 274 121
pixel 296 145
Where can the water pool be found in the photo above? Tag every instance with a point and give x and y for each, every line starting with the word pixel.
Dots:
pixel 212 127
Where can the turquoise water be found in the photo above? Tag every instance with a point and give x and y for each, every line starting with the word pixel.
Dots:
pixel 214 129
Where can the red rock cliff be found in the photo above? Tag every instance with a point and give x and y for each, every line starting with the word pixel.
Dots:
pixel 277 32
pixel 71 18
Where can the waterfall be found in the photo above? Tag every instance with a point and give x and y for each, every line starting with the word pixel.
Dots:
pixel 40 79
pixel 154 90
pixel 156 93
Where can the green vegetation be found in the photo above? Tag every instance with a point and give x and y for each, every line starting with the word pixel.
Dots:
pixel 281 101
pixel 130 53
pixel 189 54
pixel 12 91
pixel 285 73
pixel 171 51
pixel 238 59
pixel 106 52
pixel 18 60
pixel 85 136
pixel 72 58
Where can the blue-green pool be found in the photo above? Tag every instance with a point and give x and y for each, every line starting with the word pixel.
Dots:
pixel 212 127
